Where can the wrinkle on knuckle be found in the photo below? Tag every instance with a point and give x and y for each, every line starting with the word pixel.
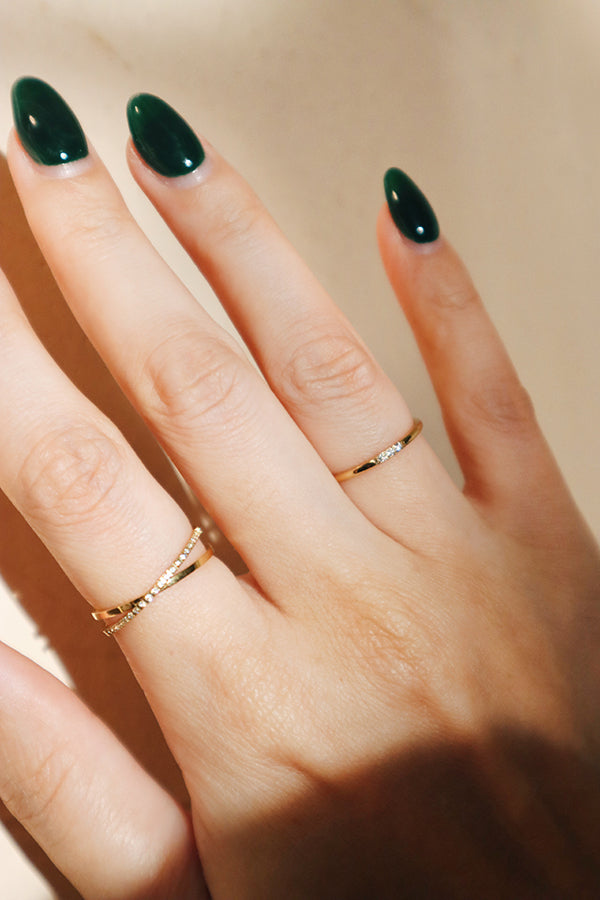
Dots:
pixel 503 405
pixel 97 231
pixel 455 297
pixel 34 787
pixel 238 220
pixel 197 381
pixel 328 367
pixel 70 474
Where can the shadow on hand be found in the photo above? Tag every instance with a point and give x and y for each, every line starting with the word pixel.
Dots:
pixel 96 666
pixel 514 819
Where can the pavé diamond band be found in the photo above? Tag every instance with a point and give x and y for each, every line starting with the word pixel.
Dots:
pixel 386 454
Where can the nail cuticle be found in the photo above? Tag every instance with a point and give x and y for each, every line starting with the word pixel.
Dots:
pixel 177 182
pixel 425 248
pixel 61 171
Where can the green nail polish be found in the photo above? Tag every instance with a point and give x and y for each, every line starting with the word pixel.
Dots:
pixel 409 208
pixel 162 138
pixel 48 129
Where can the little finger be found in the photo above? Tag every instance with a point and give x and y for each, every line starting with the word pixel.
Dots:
pixel 508 467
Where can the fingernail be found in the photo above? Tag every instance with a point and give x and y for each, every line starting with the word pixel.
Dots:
pixel 162 138
pixel 409 208
pixel 46 126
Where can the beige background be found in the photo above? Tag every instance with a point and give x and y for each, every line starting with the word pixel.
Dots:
pixel 491 106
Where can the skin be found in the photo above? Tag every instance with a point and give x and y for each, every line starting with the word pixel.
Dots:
pixel 400 698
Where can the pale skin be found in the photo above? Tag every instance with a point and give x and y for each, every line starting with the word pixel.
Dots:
pixel 400 699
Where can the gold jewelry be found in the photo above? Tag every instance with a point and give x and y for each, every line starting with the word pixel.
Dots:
pixel 168 578
pixel 158 585
pixel 386 454
pixel 147 599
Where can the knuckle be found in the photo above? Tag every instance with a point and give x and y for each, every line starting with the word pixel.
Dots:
pixel 197 381
pixel 503 404
pixel 70 474
pixel 95 229
pixel 237 219
pixel 452 297
pixel 328 367
pixel 34 787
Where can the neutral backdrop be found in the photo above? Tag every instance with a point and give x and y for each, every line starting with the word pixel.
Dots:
pixel 490 105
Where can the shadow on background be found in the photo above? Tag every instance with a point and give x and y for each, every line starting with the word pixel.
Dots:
pixel 96 666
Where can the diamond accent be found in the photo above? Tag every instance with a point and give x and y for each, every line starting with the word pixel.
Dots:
pixel 163 582
pixel 389 452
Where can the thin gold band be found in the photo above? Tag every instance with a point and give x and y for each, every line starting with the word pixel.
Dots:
pixel 144 601
pixel 386 454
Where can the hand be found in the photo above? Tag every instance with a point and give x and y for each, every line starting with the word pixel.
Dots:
pixel 400 698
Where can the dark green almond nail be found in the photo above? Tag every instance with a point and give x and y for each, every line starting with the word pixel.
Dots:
pixel 409 208
pixel 48 129
pixel 162 138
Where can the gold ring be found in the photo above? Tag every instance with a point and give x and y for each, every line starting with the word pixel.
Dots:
pixel 145 601
pixel 159 584
pixel 169 577
pixel 392 450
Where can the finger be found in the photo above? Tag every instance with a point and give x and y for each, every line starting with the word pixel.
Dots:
pixel 488 413
pixel 103 821
pixel 112 528
pixel 312 357
pixel 221 425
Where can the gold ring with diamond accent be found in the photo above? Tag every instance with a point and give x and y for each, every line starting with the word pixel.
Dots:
pixel 145 601
pixel 386 454
pixel 169 577
pixel 159 585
